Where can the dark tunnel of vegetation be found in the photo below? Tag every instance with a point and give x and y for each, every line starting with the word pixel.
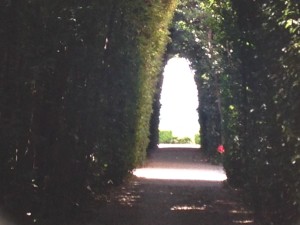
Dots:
pixel 80 83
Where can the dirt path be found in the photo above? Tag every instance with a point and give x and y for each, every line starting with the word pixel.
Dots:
pixel 183 190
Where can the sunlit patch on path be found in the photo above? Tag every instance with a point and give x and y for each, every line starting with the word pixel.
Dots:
pixel 186 146
pixel 177 186
pixel 182 162
pixel 180 174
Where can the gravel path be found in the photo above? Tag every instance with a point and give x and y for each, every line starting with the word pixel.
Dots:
pixel 175 187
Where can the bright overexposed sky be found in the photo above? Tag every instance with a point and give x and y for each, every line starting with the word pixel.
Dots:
pixel 179 99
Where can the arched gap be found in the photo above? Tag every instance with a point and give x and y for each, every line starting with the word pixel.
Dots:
pixel 179 119
pixel 192 39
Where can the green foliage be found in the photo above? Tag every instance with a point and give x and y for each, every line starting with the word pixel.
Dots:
pixel 192 38
pixel 76 85
pixel 78 79
pixel 154 137
pixel 246 57
pixel 197 139
pixel 184 140
pixel 165 136
pixel 259 105
pixel 153 39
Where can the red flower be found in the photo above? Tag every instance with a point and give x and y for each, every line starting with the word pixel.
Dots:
pixel 221 149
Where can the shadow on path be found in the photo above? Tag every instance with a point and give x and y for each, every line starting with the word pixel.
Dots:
pixel 165 193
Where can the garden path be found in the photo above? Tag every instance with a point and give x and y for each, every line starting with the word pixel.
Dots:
pixel 177 186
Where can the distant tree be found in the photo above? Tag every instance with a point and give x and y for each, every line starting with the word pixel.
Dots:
pixel 165 136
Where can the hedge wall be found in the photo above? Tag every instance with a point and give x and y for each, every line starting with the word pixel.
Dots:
pixel 261 105
pixel 76 87
pixel 246 57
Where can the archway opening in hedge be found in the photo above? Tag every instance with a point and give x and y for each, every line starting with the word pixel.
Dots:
pixel 179 102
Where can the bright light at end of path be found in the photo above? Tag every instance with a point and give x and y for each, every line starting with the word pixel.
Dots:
pixel 180 174
pixel 179 99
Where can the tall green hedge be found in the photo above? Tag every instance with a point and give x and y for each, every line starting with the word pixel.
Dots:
pixel 262 130
pixel 256 50
pixel 246 56
pixel 152 46
pixel 76 85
